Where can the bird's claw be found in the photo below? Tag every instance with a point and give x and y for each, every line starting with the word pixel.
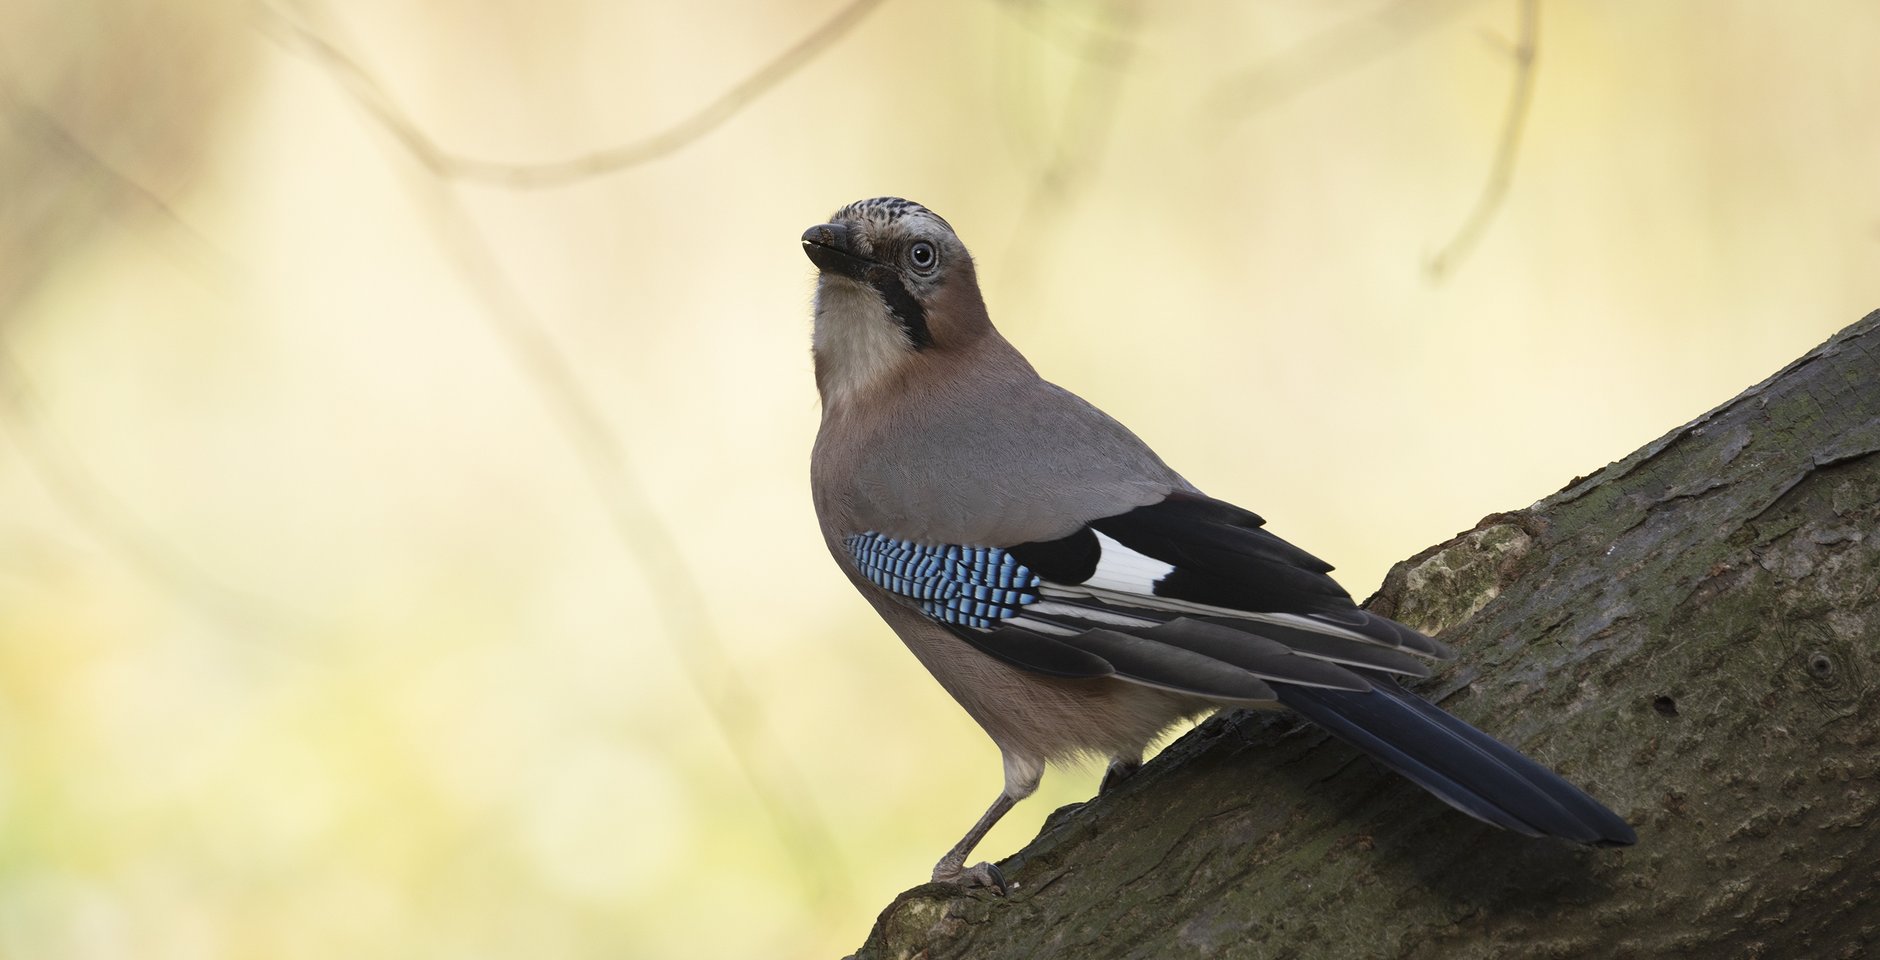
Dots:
pixel 986 875
pixel 1115 774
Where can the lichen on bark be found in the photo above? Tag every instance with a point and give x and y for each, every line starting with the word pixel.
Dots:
pixel 1692 633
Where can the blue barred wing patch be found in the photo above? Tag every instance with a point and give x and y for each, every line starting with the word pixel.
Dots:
pixel 968 586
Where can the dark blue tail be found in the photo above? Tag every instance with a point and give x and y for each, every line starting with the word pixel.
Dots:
pixel 1468 769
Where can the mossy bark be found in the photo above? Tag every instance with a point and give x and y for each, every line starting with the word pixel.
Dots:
pixel 1692 633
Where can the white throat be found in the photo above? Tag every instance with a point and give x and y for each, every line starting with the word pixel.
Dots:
pixel 855 340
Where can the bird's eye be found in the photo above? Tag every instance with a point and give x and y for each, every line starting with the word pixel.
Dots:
pixel 922 256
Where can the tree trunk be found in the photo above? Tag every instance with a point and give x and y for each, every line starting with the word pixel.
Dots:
pixel 1692 634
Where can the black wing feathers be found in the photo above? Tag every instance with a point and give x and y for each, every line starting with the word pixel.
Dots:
pixel 1223 557
pixel 1037 652
pixel 1216 555
pixel 1146 660
pixel 1466 768
pixel 1254 654
pixel 1356 653
pixel 1069 559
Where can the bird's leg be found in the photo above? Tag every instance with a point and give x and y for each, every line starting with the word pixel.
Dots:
pixel 1120 769
pixel 1021 778
pixel 952 867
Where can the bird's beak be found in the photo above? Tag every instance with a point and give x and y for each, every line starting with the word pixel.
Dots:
pixel 830 246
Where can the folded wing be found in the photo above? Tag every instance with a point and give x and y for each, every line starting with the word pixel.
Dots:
pixel 1190 594
pixel 1194 595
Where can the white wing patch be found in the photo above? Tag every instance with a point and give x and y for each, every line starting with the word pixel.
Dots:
pixel 1145 600
pixel 1127 578
pixel 1051 608
pixel 1123 570
pixel 1040 626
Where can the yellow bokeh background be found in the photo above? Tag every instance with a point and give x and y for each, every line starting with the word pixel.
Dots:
pixel 399 564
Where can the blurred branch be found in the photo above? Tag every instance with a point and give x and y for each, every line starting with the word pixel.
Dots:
pixel 1083 41
pixel 1501 172
pixel 102 515
pixel 1087 43
pixel 1083 133
pixel 453 166
pixel 1014 81
pixel 678 598
pixel 1328 55
pixel 29 119
pixel 87 501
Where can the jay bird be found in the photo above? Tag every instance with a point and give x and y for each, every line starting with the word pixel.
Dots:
pixel 1069 589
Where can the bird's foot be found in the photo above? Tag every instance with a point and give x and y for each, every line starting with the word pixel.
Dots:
pixel 1117 772
pixel 985 875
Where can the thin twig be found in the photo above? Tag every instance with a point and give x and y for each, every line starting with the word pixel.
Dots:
pixel 1501 172
pixel 558 173
pixel 679 600
pixel 1326 56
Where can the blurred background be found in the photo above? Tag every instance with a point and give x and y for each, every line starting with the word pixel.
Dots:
pixel 405 406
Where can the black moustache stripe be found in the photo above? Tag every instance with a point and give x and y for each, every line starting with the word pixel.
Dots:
pixel 906 310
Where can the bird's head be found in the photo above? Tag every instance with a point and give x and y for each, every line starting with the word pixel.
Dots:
pixel 896 284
